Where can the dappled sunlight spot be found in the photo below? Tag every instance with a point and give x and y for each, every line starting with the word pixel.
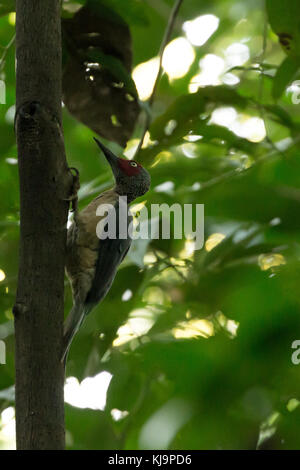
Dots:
pixel 245 161
pixel 162 157
pixel 170 127
pixel 11 161
pixel 270 260
pixel 276 221
pixel 127 294
pixel 69 439
pixel 214 70
pixel 193 137
pixel 193 328
pixel 237 54
pixel 10 115
pixel 188 315
pixel 283 144
pixel 230 326
pixel 12 18
pixel 117 415
pixel 223 116
pixel 161 428
pixel 251 128
pixel 90 393
pixel 138 324
pixel 8 428
pixel 144 76
pixel 294 91
pixel 294 87
pixel 7 415
pixel 199 30
pixel 124 335
pixel 292 404
pixel 178 57
pixel 230 79
pixel 6 329
pixel 2 275
pixel 150 258
pixel 212 67
pixel 118 85
pixel 115 121
pixel 196 186
pixel 166 187
pixel 8 313
pixel 268 428
pixel 157 160
pixel 131 148
pixel 154 295
pixel 135 208
pixel 188 250
pixel 189 150
pixel 171 274
pixel 195 83
pixel 214 240
pixel 72 6
pixel 212 61
pixel 129 97
pixel 176 270
pixel 148 142
pixel 177 261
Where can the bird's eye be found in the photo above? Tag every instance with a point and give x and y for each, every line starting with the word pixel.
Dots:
pixel 133 164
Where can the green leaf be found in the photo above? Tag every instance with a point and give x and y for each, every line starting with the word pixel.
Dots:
pixel 284 20
pixel 189 106
pixel 284 76
pixel 7 6
pixel 279 114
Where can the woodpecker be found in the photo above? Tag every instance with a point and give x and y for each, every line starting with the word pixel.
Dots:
pixel 92 262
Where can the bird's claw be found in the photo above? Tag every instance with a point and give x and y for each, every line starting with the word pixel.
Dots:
pixel 73 198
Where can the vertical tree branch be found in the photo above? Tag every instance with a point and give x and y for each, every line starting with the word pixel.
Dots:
pixel 164 42
pixel 44 183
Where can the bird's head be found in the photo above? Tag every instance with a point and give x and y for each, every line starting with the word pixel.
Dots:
pixel 132 180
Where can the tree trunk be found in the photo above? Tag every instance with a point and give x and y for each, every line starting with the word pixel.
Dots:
pixel 44 184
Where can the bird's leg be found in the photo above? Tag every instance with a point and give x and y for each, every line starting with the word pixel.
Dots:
pixel 73 198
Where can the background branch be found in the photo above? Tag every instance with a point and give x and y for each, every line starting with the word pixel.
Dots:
pixel 165 40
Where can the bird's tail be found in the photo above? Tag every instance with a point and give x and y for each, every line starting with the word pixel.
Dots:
pixel 72 325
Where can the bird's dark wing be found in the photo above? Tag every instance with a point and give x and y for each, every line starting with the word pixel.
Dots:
pixel 110 255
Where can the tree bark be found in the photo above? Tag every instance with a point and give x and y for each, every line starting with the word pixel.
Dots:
pixel 44 184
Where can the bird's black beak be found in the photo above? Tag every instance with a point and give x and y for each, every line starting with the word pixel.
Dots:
pixel 110 157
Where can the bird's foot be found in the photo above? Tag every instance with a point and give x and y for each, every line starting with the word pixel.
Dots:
pixel 73 198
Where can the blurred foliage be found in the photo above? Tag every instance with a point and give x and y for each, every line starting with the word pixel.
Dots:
pixel 198 342
pixel 97 86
